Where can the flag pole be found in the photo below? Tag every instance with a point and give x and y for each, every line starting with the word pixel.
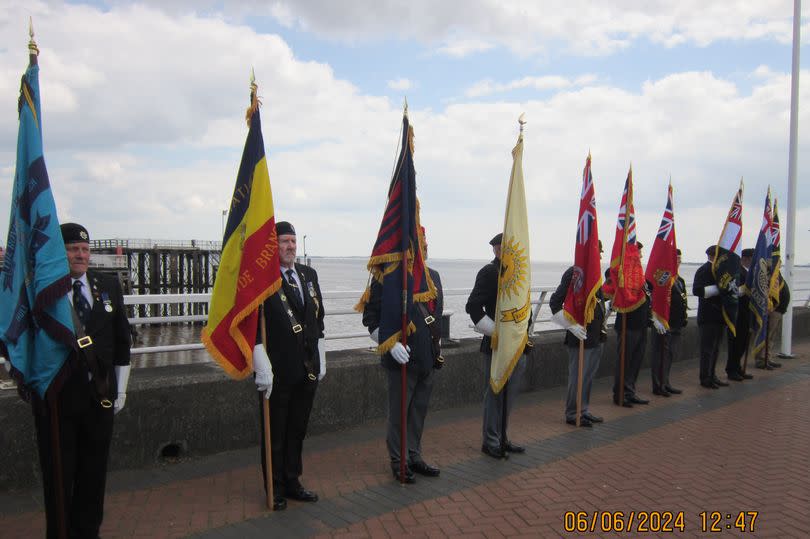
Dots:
pixel 579 380
pixel 51 396
pixel 268 449
pixel 268 459
pixel 403 413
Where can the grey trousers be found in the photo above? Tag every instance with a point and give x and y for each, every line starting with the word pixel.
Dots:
pixel 419 388
pixel 493 404
pixel 664 349
pixel 590 366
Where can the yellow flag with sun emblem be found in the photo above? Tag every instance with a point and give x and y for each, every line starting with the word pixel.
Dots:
pixel 513 309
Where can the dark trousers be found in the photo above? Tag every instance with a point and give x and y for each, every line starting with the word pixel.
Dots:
pixel 290 406
pixel 84 445
pixel 419 386
pixel 664 350
pixel 736 349
pixel 710 335
pixel 634 348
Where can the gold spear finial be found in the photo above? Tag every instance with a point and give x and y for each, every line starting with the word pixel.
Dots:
pixel 405 111
pixel 33 50
pixel 254 97
pixel 522 120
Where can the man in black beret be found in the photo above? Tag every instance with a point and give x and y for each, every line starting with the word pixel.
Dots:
pixel 297 362
pixel 481 308
pixel 710 320
pixel 93 388
pixel 738 345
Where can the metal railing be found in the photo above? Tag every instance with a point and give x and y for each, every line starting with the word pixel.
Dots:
pixel 542 295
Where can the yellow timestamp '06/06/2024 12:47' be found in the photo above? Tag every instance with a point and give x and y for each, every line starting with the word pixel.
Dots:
pixel 657 521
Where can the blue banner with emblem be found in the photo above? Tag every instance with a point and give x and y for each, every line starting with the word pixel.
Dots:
pixel 36 325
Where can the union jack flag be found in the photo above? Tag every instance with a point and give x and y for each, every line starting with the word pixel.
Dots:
pixel 588 197
pixel 626 283
pixel 620 224
pixel 667 221
pixel 662 269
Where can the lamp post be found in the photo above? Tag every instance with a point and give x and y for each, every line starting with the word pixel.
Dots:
pixel 305 247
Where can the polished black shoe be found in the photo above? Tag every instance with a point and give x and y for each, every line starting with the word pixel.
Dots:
pixel 719 382
pixel 747 376
pixel 709 385
pixel 302 495
pixel 763 365
pixel 672 391
pixel 583 422
pixel 279 503
pixel 635 399
pixel 592 418
pixel 626 403
pixel 409 477
pixel 774 364
pixel 494 452
pixel 735 376
pixel 509 447
pixel 661 392
pixel 423 468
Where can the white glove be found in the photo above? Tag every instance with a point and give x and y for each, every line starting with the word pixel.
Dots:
pixel 122 377
pixel 322 354
pixel 401 354
pixel 6 363
pixel 659 327
pixel 711 290
pixel 576 330
pixel 263 370
pixel 486 326
pixel 375 335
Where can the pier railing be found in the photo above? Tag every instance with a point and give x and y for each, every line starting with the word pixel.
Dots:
pixel 199 302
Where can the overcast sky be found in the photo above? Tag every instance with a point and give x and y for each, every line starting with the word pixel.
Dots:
pixel 143 113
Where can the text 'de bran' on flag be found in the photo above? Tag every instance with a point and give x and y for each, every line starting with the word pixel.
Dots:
pixel 580 300
pixel 662 267
pixel 513 308
pixel 758 280
pixel 249 267
pixel 399 237
pixel 36 325
pixel 726 264
pixel 625 287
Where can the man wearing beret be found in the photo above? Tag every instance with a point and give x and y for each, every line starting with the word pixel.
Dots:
pixel 481 308
pixel 94 383
pixel 738 345
pixel 710 321
pixel 297 362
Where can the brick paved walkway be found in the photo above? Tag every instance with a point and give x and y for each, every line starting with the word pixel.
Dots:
pixel 737 449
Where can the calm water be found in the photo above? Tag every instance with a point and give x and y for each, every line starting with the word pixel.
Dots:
pixel 344 275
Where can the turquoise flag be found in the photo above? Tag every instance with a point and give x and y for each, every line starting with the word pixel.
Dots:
pixel 36 326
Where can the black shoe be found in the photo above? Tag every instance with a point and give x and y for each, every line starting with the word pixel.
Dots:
pixel 661 392
pixel 709 385
pixel 735 376
pixel 719 382
pixel 423 468
pixel 763 365
pixel 509 447
pixel 774 364
pixel 409 478
pixel 592 418
pixel 671 390
pixel 747 376
pixel 626 403
pixel 635 399
pixel 302 495
pixel 583 422
pixel 279 503
pixel 494 452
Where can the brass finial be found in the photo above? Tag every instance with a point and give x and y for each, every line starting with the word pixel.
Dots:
pixel 254 98
pixel 522 120
pixel 405 112
pixel 33 50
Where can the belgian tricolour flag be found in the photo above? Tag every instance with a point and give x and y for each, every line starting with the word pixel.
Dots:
pixel 249 268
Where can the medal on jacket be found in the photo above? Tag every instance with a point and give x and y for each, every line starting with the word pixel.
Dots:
pixel 105 298
pixel 314 296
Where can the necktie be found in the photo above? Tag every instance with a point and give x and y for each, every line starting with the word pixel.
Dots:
pixel 80 303
pixel 294 286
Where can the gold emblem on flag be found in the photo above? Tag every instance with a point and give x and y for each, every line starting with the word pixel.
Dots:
pixel 514 267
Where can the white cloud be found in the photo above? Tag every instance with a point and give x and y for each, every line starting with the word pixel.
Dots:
pixel 463 47
pixel 549 82
pixel 400 84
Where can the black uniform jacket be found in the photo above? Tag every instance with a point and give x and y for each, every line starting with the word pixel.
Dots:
pixel 784 297
pixel 678 306
pixel 709 309
pixel 483 298
pixel 419 341
pixel 109 328
pixel 595 329
pixel 294 355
